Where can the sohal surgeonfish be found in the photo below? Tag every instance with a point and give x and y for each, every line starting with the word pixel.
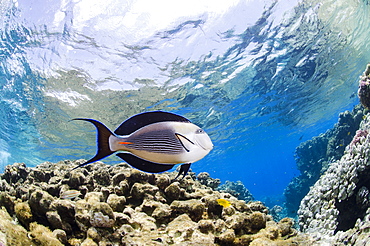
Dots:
pixel 153 142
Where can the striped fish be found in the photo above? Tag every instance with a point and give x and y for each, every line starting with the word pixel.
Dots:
pixel 153 142
pixel 70 194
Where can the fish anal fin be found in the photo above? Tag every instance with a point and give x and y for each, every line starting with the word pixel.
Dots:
pixel 184 169
pixel 140 120
pixel 144 165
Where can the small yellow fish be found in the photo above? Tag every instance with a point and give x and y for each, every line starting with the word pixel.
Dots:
pixel 349 133
pixel 70 194
pixel 224 203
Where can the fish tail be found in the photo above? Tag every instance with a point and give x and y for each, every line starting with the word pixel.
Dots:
pixel 103 134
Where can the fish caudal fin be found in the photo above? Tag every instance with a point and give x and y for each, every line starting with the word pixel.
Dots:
pixel 103 134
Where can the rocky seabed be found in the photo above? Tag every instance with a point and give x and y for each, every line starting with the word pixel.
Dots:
pixel 119 205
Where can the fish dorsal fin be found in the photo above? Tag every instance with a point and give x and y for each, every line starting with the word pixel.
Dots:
pixel 140 120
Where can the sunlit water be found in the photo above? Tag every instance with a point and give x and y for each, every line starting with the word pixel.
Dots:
pixel 258 76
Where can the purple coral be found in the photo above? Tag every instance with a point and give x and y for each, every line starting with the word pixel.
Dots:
pixel 364 88
pixel 357 137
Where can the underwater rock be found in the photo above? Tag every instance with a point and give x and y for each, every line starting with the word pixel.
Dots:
pixel 40 202
pixel 76 179
pixel 117 178
pixel 89 242
pixel 54 220
pixel 338 204
pixel 92 233
pixel 162 181
pixel 314 156
pixel 140 220
pixel 237 222
pixel 102 177
pixel 206 226
pixel 173 191
pixel 65 208
pixel 227 237
pixel 61 236
pixel 277 212
pixel 193 208
pixel 15 173
pixel 118 205
pixel 42 236
pixel 12 233
pixel 181 228
pixel 214 210
pixel 23 212
pixel 101 215
pixel 122 188
pixel 40 175
pixel 236 189
pixel 285 227
pixel 7 201
pixel 206 180
pixel 140 191
pixel 257 221
pixel 141 177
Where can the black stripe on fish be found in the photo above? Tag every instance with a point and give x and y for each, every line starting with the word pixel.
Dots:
pixel 158 142
pixel 140 120
pixel 179 136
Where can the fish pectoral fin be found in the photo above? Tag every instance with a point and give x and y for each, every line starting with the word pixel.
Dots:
pixel 185 142
pixel 144 165
pixel 184 168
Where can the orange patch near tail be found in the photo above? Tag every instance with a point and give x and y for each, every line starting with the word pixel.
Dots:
pixel 125 143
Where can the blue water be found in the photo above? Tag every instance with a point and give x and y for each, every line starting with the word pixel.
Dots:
pixel 259 76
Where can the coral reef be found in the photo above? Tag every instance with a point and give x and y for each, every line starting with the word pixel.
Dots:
pixel 364 87
pixel 236 189
pixel 314 156
pixel 118 205
pixel 277 212
pixel 337 207
pixel 206 180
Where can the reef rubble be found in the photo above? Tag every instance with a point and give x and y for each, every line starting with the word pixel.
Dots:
pixel 102 205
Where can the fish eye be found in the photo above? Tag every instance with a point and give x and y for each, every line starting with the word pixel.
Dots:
pixel 199 131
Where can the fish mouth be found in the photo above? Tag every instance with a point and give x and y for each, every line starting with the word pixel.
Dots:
pixel 205 143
